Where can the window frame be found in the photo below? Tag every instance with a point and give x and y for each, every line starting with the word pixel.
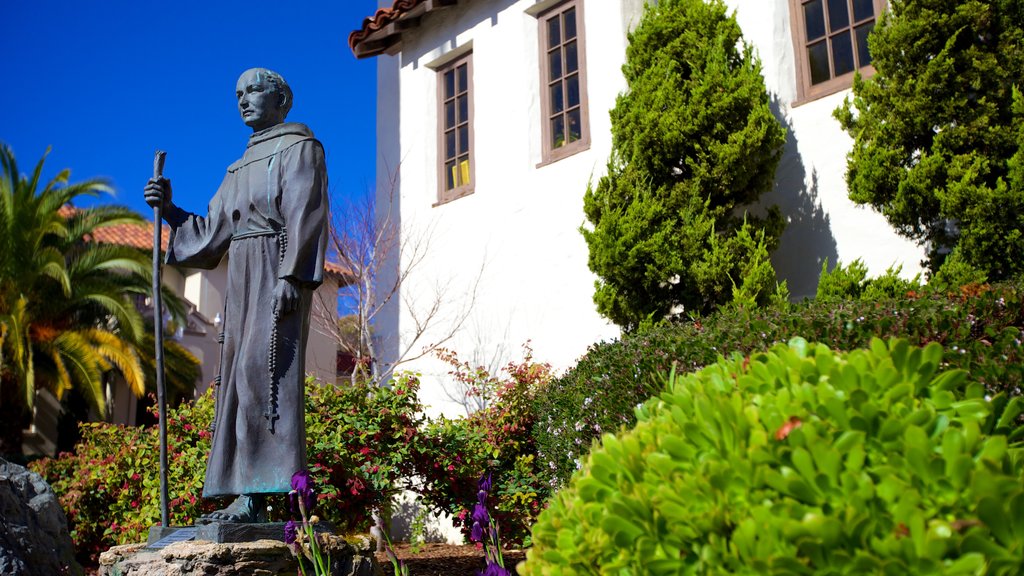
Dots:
pixel 550 153
pixel 807 92
pixel 444 195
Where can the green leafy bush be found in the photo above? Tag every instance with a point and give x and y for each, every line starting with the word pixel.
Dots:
pixel 979 327
pixel 799 461
pixel 852 283
pixel 365 444
pixel 693 142
pixel 498 439
pixel 360 441
pixel 109 487
pixel 937 131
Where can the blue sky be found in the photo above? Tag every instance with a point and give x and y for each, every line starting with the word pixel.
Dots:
pixel 108 82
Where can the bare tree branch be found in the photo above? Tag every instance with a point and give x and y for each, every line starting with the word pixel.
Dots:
pixel 381 255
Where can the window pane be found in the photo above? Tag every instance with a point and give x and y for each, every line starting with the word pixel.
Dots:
pixel 572 88
pixel 557 98
pixel 814 17
pixel 463 108
pixel 863 56
pixel 838 16
pixel 449 175
pixel 463 78
pixel 842 54
pixel 817 54
pixel 449 84
pixel 463 138
pixel 554 32
pixel 463 170
pixel 575 131
pixel 449 148
pixel 571 64
pixel 555 64
pixel 557 131
pixel 569 17
pixel 863 9
pixel 449 114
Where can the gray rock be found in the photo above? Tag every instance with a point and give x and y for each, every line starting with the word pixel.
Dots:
pixel 34 538
pixel 260 558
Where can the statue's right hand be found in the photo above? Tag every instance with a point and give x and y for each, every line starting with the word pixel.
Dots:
pixel 158 192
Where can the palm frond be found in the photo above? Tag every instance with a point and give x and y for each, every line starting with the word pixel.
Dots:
pixel 129 321
pixel 181 367
pixel 80 358
pixel 122 356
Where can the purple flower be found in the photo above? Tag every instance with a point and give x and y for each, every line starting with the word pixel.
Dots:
pixel 291 532
pixel 476 534
pixel 302 482
pixel 485 482
pixel 302 487
pixel 493 570
pixel 480 513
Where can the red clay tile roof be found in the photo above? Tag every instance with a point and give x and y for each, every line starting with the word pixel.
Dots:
pixel 141 236
pixel 382 31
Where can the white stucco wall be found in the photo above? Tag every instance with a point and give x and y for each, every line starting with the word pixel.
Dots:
pixel 810 185
pixel 515 239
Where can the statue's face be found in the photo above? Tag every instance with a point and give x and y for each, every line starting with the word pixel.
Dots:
pixel 259 102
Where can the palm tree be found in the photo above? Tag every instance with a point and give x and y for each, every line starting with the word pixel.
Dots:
pixel 67 316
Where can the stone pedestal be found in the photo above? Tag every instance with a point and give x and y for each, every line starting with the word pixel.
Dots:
pixel 349 557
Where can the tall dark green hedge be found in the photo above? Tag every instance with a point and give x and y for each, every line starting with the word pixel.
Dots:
pixel 938 134
pixel 980 329
pixel 693 138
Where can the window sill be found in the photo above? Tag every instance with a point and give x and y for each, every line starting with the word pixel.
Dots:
pixel 830 87
pixel 452 196
pixel 552 156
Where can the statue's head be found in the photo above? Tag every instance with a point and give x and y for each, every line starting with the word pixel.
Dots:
pixel 264 98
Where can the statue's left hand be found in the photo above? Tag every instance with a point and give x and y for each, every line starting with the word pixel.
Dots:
pixel 286 297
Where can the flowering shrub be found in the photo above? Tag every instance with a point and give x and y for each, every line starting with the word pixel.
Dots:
pixel 498 439
pixel 360 440
pixel 109 487
pixel 365 444
pixel 980 328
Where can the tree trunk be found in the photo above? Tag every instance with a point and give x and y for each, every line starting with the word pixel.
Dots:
pixel 13 418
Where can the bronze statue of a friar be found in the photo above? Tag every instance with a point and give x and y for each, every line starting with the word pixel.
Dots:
pixel 269 217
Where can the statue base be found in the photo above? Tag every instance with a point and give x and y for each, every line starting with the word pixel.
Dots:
pixel 223 533
pixel 269 557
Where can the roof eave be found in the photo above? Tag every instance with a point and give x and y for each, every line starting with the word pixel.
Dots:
pixel 382 32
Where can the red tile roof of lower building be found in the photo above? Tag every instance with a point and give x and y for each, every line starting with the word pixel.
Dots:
pixel 141 236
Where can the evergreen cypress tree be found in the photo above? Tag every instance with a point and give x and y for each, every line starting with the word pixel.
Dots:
pixel 938 137
pixel 693 139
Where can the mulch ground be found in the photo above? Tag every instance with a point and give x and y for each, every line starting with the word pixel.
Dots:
pixel 445 560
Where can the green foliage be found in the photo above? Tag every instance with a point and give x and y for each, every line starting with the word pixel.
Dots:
pixel 497 438
pixel 365 444
pixel 980 328
pixel 67 316
pixel 109 487
pixel 360 441
pixel 801 461
pixel 852 283
pixel 693 140
pixel 939 130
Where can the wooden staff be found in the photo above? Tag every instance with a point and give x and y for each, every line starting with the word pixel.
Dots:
pixel 158 332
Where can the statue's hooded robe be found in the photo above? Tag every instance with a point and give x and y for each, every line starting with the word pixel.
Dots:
pixel 269 217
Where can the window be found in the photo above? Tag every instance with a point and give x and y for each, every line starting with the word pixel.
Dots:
pixel 455 122
pixel 563 82
pixel 831 41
